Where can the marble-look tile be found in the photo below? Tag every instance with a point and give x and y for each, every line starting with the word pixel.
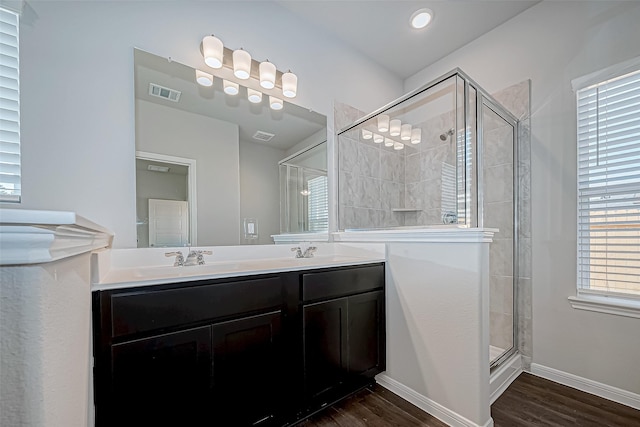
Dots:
pixel 345 115
pixel 392 166
pixel 524 180
pixel 391 195
pixel 410 219
pixel 525 336
pixel 515 99
pixel 358 218
pixel 430 217
pixel 501 257
pixel 414 195
pixel 498 183
pixel 368 161
pixel 499 215
pixel 498 147
pixel 431 162
pixel 524 296
pixel 524 257
pixel 412 168
pixel 348 189
pixel 524 218
pixel 501 294
pixel 391 219
pixel 501 330
pixel 348 155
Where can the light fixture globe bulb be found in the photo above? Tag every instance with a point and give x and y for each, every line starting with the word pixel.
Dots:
pixel 241 64
pixel 230 88
pixel 204 79
pixel 289 84
pixel 275 103
pixel 212 50
pixel 267 75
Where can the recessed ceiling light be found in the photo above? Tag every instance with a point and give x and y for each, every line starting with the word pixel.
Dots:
pixel 421 18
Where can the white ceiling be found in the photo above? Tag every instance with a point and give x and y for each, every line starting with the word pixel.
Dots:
pixel 380 28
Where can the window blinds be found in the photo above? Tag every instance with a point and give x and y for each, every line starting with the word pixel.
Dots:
pixel 318 204
pixel 9 108
pixel 609 186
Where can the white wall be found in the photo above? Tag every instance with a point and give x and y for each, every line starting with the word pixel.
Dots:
pixel 260 188
pixel 77 86
pixel 213 144
pixel 552 43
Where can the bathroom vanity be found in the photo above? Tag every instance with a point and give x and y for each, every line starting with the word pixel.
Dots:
pixel 251 349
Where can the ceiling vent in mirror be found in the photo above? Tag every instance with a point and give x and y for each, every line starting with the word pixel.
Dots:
pixel 263 136
pixel 164 92
pixel 156 168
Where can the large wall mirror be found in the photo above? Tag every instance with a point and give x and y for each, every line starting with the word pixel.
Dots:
pixel 209 165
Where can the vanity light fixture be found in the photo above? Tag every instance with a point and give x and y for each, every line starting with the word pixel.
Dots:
pixel 421 18
pixel 275 103
pixel 267 74
pixel 204 79
pixel 241 64
pixel 230 88
pixel 388 142
pixel 212 50
pixel 383 123
pixel 377 138
pixel 416 136
pixel 398 146
pixel 243 67
pixel 405 132
pixel 367 134
pixel 394 127
pixel 254 96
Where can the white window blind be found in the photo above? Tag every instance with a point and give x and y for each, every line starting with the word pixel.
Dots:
pixel 318 204
pixel 9 108
pixel 609 187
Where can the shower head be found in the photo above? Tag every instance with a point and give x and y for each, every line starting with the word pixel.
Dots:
pixel 447 134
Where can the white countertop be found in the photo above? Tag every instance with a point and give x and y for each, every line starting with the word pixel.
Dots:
pixel 153 275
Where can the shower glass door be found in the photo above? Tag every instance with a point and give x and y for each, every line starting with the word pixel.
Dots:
pixel 498 211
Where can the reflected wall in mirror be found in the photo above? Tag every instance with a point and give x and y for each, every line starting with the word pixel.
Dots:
pixel 227 150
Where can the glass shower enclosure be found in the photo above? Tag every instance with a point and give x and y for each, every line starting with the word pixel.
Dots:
pixel 441 156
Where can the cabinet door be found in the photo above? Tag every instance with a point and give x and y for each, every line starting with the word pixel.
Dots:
pixel 161 381
pixel 325 347
pixel 248 377
pixel 366 335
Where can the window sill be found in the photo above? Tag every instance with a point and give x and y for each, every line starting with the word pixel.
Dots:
pixel 604 304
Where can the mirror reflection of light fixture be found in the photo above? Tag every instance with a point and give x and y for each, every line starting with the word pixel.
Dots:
pixel 254 96
pixel 405 132
pixel 204 79
pixel 305 192
pixel 267 75
pixel 416 136
pixel 383 123
pixel 213 51
pixel 241 64
pixel 367 134
pixel 388 142
pixel 394 127
pixel 398 146
pixel 230 88
pixel 377 138
pixel 275 103
pixel 289 84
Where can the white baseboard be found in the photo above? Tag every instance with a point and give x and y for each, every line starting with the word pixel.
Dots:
pixel 442 413
pixel 589 386
pixel 502 378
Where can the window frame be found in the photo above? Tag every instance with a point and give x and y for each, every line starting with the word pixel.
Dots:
pixel 615 303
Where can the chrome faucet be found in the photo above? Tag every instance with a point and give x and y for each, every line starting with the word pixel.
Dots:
pixel 308 253
pixel 196 257
pixel 179 262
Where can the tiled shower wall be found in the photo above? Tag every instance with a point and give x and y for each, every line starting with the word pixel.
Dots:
pixel 381 187
pixel 516 99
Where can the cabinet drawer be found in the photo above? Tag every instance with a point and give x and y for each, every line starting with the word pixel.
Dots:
pixel 336 283
pixel 134 312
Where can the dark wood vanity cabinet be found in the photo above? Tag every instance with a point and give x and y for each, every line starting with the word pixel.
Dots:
pixel 249 351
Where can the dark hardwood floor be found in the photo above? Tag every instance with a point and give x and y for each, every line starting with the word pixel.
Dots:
pixel 529 401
